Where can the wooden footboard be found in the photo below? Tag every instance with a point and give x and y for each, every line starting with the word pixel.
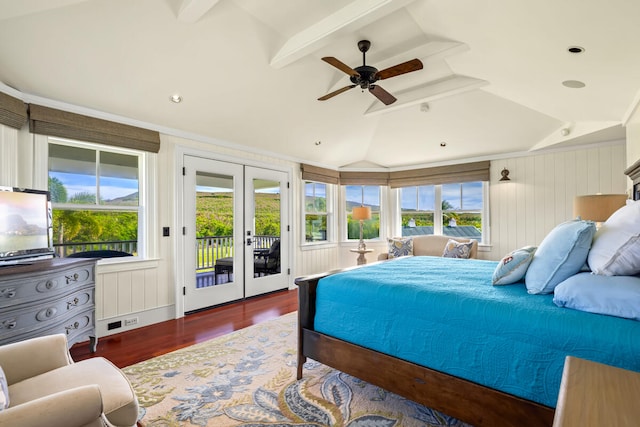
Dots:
pixel 470 402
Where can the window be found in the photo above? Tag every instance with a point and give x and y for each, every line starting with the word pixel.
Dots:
pixel 315 211
pixel 450 209
pixel 363 195
pixel 417 209
pixel 95 197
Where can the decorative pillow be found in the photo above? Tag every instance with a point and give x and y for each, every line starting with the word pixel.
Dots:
pixel 513 267
pixel 4 391
pixel 616 245
pixel 455 249
pixel 400 247
pixel 561 254
pixel 611 295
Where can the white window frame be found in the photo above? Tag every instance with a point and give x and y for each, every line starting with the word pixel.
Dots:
pixel 437 214
pixel 147 240
pixel 384 201
pixel 330 203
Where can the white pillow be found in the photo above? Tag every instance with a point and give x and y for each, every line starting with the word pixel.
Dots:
pixel 4 391
pixel 616 245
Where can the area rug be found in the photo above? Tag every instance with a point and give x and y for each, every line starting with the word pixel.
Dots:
pixel 248 378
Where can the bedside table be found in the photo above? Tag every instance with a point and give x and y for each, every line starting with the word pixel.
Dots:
pixel 594 394
pixel 361 258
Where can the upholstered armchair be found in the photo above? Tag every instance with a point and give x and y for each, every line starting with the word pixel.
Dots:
pixel 46 387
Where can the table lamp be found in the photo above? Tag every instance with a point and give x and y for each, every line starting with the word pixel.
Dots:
pixel 598 207
pixel 361 213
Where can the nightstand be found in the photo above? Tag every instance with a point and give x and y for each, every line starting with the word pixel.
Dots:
pixel 594 394
pixel 361 258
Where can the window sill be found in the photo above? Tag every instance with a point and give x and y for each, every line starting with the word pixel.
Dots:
pixel 312 246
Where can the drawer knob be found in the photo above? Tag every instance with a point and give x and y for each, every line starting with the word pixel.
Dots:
pixel 8 292
pixel 49 284
pixel 8 324
pixel 73 303
pixel 72 278
pixel 70 328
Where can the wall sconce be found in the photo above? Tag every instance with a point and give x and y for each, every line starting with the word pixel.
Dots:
pixel 361 214
pixel 505 175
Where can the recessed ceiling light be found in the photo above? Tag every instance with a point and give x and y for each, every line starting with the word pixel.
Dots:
pixel 176 98
pixel 318 142
pixel 575 49
pixel 574 84
pixel 443 144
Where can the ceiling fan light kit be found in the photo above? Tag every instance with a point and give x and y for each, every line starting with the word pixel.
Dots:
pixel 366 76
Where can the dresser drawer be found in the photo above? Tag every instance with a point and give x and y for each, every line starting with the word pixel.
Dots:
pixel 20 320
pixel 23 289
pixel 80 327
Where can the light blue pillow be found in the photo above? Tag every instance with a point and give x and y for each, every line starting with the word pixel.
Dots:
pixel 611 295
pixel 455 249
pixel 561 254
pixel 513 267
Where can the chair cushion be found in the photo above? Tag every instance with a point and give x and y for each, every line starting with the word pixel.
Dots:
pixel 120 404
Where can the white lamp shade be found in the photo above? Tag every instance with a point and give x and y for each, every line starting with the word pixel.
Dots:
pixel 361 213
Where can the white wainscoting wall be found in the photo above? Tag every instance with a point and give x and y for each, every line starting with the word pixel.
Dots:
pixel 541 191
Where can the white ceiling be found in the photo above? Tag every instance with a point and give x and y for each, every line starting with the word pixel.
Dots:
pixel 250 72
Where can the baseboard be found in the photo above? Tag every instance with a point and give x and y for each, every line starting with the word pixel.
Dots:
pixel 127 323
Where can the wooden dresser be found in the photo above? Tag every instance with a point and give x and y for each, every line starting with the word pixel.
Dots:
pixel 48 297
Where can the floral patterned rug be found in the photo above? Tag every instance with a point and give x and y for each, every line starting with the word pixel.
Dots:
pixel 248 378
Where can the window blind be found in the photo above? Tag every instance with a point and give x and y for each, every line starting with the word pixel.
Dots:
pixel 465 172
pixel 13 112
pixel 318 174
pixel 52 122
pixel 364 178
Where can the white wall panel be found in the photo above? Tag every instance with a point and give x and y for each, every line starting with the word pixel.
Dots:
pixel 541 192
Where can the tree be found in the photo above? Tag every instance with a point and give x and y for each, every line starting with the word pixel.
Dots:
pixel 57 190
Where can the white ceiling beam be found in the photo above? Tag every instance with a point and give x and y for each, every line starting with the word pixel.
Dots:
pixel 192 10
pixel 355 15
pixel 437 89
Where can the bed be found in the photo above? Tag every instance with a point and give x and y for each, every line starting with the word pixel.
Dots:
pixel 436 331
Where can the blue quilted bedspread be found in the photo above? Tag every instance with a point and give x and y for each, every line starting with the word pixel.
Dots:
pixel 445 314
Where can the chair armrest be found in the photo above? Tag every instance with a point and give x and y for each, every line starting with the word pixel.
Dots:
pixel 77 407
pixel 26 359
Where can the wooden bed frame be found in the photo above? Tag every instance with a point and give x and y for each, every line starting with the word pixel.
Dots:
pixel 469 402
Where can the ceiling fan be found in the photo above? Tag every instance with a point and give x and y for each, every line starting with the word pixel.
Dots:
pixel 366 76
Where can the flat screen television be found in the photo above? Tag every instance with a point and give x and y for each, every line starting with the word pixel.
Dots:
pixel 25 225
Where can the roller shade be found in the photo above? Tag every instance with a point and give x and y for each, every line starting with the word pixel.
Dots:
pixel 318 174
pixel 13 112
pixel 52 122
pixel 364 178
pixel 466 172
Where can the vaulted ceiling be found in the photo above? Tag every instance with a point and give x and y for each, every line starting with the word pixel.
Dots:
pixel 250 72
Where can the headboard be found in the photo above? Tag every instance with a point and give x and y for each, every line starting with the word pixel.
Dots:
pixel 633 172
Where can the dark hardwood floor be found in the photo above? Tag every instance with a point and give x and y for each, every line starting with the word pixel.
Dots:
pixel 127 348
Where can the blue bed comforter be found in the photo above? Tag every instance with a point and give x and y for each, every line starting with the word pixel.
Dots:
pixel 445 314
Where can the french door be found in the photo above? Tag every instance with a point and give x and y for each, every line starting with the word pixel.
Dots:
pixel 235 232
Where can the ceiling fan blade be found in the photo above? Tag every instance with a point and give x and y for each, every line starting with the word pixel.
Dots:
pixel 382 95
pixel 340 66
pixel 396 70
pixel 336 92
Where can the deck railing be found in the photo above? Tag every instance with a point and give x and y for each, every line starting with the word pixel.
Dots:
pixel 208 249
pixel 211 248
pixel 66 249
